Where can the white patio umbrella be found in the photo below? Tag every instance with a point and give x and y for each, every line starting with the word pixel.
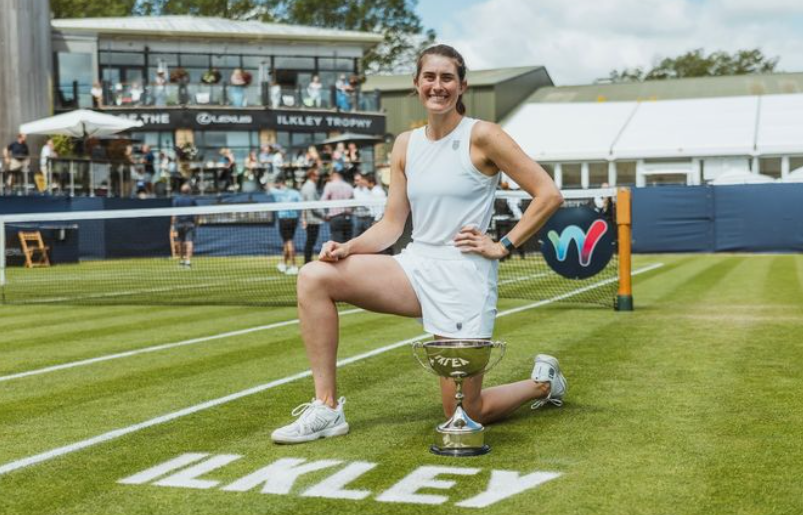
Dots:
pixel 81 123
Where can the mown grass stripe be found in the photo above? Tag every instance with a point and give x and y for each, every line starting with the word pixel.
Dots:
pixel 117 433
pixel 155 348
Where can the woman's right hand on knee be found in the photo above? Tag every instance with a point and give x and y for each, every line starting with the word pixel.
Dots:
pixel 333 251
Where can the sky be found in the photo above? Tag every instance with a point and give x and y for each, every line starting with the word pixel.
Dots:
pixel 579 41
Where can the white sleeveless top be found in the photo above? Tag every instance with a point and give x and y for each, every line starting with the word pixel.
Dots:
pixel 445 189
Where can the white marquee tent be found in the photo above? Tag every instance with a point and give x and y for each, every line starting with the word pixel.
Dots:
pixel 664 137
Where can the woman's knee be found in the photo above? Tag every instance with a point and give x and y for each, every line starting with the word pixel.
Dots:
pixel 314 277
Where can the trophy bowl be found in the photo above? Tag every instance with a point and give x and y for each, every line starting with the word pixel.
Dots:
pixel 458 360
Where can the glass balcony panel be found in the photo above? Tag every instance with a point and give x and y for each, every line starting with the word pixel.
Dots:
pixel 121 58
pixel 294 63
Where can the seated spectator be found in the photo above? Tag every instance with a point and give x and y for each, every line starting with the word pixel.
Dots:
pixel 228 165
pixel 17 159
pixel 312 158
pixel 251 168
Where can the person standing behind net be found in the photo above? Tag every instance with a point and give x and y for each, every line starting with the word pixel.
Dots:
pixel 363 217
pixel 311 219
pixel 339 217
pixel 445 174
pixel 288 222
pixel 184 225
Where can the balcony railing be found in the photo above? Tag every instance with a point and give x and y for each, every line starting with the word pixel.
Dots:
pixel 75 96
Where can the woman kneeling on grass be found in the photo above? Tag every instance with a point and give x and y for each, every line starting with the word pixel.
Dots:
pixel 446 173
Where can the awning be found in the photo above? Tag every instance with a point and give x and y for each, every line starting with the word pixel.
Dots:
pixel 707 127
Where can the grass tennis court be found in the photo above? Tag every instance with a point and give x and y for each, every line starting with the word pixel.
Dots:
pixel 687 405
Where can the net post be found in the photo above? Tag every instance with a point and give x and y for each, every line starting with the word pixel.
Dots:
pixel 624 297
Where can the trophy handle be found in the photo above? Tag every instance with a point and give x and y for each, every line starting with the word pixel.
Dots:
pixel 425 364
pixel 498 345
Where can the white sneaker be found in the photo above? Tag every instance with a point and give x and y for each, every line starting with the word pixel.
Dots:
pixel 281 267
pixel 293 270
pixel 547 370
pixel 315 420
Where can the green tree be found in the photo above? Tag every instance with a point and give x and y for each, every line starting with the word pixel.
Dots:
pixel 231 9
pixel 396 20
pixel 91 8
pixel 696 64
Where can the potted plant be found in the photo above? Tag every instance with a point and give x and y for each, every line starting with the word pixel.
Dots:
pixel 179 75
pixel 211 76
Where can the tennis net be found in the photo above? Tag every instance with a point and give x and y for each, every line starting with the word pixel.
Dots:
pixel 137 256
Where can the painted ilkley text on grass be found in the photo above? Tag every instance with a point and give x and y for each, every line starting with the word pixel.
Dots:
pixel 279 478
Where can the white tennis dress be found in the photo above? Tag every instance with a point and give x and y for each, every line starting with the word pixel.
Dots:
pixel 456 290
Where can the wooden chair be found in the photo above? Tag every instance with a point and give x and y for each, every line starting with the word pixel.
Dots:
pixel 34 248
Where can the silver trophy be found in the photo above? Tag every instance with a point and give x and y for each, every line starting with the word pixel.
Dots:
pixel 457 360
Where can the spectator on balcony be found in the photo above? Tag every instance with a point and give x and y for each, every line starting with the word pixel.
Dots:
pixel 17 159
pixel 354 87
pixel 119 94
pixel 314 90
pixel 97 95
pixel 343 93
pixel 237 84
pixel 275 91
pixel 135 93
pixel 160 89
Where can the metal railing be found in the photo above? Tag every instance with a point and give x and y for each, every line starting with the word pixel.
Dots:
pixel 76 96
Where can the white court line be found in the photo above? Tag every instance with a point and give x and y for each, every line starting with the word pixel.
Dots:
pixel 525 278
pixel 139 292
pixel 117 433
pixel 156 348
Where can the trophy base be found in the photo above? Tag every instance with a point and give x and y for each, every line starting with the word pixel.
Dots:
pixel 460 452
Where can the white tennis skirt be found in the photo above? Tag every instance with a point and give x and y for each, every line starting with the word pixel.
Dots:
pixel 457 291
